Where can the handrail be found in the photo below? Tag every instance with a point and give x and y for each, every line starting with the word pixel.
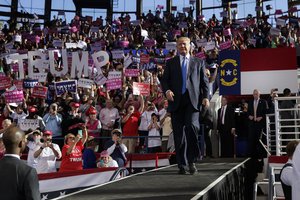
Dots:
pixel 120 172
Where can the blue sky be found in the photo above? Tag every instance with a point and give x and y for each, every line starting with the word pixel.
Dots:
pixel 245 7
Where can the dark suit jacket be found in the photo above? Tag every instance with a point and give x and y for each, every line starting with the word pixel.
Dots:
pixel 261 110
pixel 206 117
pixel 229 120
pixel 197 83
pixel 18 180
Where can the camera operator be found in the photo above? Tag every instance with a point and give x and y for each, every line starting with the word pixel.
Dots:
pixel 47 154
pixel 115 148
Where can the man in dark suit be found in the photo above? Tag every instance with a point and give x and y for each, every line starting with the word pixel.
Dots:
pixel 226 128
pixel 185 85
pixel 18 180
pixel 206 121
pixel 257 109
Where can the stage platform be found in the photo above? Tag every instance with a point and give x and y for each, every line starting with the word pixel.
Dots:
pixel 216 179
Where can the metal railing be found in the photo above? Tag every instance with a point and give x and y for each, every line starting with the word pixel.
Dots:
pixel 271 133
pixel 287 129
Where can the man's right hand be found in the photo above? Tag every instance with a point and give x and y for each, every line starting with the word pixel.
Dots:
pixel 170 95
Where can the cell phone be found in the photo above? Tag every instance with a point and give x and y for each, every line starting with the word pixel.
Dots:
pixel 80 133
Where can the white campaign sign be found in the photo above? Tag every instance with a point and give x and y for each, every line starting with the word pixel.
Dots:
pixel 114 75
pixel 85 83
pixel 26 124
pixel 171 45
pixel 117 54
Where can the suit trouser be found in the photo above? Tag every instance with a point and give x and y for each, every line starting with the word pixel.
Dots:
pixel 185 122
pixel 227 142
pixel 255 129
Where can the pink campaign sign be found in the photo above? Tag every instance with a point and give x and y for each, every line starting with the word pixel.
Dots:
pixel 113 84
pixel 132 72
pixel 15 96
pixel 5 82
pixel 225 45
pixel 201 55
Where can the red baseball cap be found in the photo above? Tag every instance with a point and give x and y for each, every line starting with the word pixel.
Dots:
pixel 48 132
pixel 32 109
pixel 75 105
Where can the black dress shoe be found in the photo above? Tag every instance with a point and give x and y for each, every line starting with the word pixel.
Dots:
pixel 181 171
pixel 192 168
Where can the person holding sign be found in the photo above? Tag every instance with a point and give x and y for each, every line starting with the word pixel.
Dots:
pixel 185 85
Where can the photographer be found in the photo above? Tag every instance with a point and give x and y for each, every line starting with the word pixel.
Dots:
pixel 72 150
pixel 47 154
pixel 53 122
pixel 116 149
pixel 33 143
pixel 154 143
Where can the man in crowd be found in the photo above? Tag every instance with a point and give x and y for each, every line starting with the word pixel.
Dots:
pixel 115 148
pixel 18 180
pixel 47 154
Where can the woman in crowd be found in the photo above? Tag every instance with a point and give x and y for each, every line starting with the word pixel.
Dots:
pixel 106 160
pixel 72 150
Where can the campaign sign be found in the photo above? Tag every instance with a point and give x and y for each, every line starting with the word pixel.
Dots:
pixel 210 46
pixel 124 43
pixel 114 75
pixel 112 84
pixel 149 43
pixel 141 89
pixel 40 91
pixel 127 61
pixel 201 55
pixel 65 86
pixel 14 96
pixel 26 124
pixel 18 84
pixel 41 77
pixel 100 79
pixel 160 61
pixel 132 72
pixel 117 54
pixel 145 58
pixel 29 83
pixel 225 45
pixel 85 83
pixel 5 82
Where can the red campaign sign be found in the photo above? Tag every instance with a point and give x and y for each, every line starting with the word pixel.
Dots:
pixel 141 89
pixel 5 82
pixel 14 96
pixel 18 84
pixel 132 72
pixel 39 91
pixel 113 84
pixel 145 58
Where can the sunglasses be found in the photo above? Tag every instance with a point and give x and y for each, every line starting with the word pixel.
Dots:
pixel 73 138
